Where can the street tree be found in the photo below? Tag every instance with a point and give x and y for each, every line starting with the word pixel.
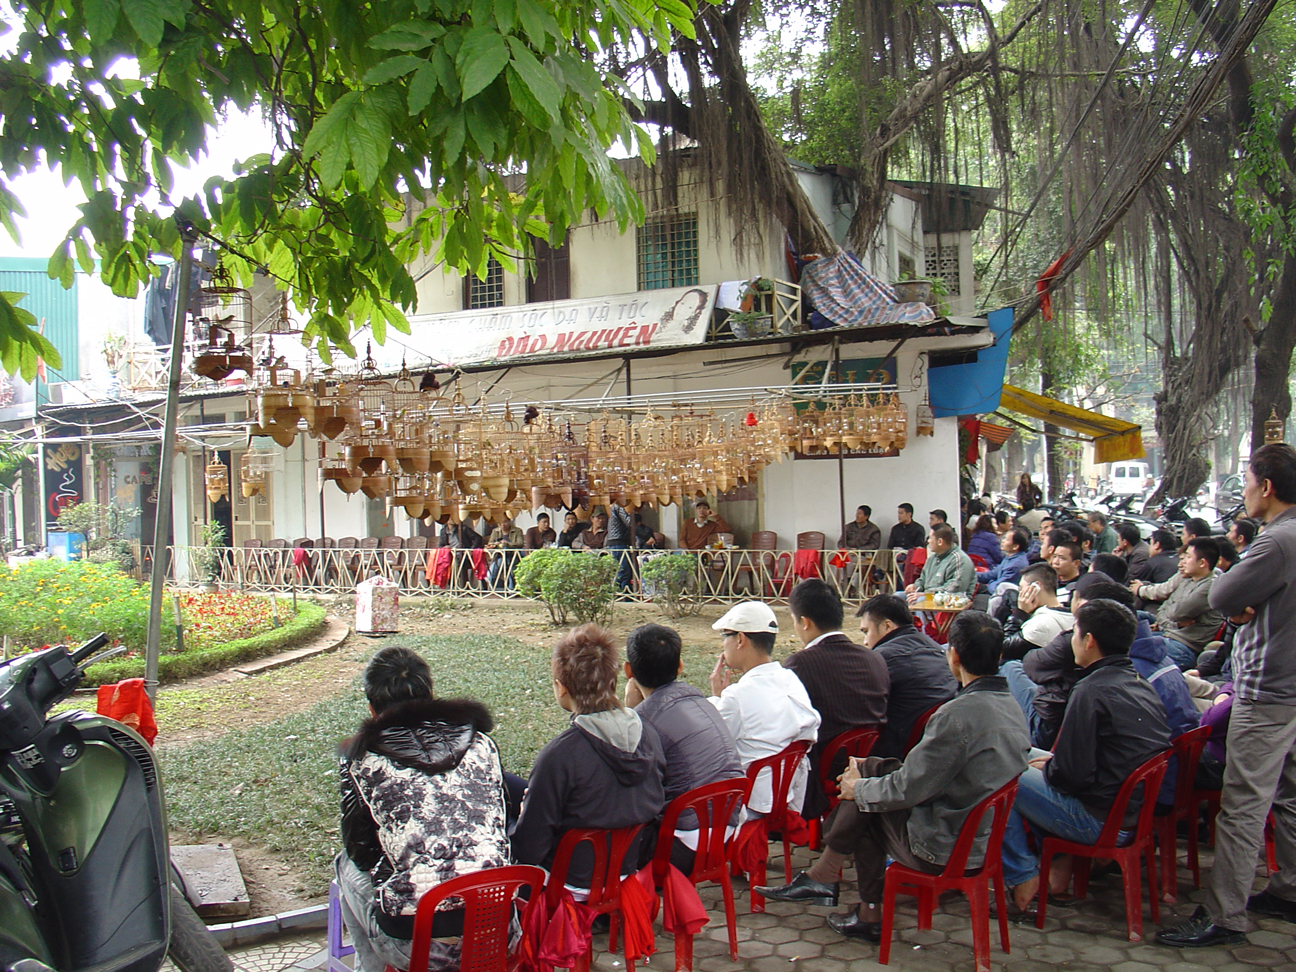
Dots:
pixel 370 107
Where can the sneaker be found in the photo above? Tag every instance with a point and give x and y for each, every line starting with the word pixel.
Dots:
pixel 1272 906
pixel 1199 931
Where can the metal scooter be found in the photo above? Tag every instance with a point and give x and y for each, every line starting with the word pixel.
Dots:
pixel 86 883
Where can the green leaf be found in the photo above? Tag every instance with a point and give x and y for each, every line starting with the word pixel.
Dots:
pixel 369 137
pixel 414 35
pixel 101 19
pixel 148 17
pixel 537 21
pixel 327 127
pixel 60 266
pixel 422 86
pixel 333 160
pixel 84 257
pixel 538 81
pixel 392 68
pixel 481 58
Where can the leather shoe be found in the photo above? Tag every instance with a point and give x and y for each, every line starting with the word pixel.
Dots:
pixel 852 926
pixel 1199 932
pixel 1272 906
pixel 804 889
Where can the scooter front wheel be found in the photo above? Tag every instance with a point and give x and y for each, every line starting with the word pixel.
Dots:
pixel 192 946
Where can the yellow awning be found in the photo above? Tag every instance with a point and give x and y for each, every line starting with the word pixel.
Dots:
pixel 1114 439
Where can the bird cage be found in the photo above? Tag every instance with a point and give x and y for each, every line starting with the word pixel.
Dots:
pixel 217 480
pixel 219 303
pixel 254 470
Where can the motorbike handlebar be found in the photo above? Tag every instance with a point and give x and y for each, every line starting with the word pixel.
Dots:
pixel 89 648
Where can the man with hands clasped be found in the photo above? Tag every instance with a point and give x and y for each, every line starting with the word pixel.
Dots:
pixel 767 709
pixel 913 811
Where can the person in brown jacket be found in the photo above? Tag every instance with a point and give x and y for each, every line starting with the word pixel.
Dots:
pixel 700 532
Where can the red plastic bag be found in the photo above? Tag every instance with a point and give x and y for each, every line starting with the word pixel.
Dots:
pixel 682 908
pixel 128 703
pixel 557 938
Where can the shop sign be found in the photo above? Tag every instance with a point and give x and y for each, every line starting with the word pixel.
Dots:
pixel 64 479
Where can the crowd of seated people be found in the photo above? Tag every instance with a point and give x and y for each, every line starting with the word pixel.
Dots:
pixel 1090 661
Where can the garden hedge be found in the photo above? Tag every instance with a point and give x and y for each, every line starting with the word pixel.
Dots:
pixel 174 668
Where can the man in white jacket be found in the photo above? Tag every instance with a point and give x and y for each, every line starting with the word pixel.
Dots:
pixel 767 709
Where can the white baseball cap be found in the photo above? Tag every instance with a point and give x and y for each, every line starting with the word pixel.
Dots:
pixel 748 616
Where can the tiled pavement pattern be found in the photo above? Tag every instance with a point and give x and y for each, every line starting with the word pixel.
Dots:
pixel 791 938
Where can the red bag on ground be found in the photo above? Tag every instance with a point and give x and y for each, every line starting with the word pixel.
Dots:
pixel 128 703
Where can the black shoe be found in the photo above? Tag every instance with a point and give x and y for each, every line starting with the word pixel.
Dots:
pixel 852 926
pixel 1272 906
pixel 1199 932
pixel 802 889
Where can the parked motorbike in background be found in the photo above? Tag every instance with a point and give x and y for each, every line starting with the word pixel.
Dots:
pixel 85 876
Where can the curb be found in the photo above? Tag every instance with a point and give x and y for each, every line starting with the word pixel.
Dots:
pixel 254 930
pixel 333 633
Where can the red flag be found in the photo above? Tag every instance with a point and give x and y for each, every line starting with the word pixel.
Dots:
pixel 1042 286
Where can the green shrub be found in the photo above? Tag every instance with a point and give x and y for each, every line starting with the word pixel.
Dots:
pixel 48 602
pixel 576 586
pixel 671 581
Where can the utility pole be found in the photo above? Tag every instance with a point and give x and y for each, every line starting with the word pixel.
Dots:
pixel 166 460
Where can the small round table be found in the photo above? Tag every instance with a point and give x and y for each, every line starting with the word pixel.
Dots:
pixel 942 615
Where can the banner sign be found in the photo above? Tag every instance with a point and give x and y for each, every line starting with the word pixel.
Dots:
pixel 64 483
pixel 881 370
pixel 678 317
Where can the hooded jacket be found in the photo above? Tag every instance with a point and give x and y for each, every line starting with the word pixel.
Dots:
pixel 1148 653
pixel 605 770
pixel 422 802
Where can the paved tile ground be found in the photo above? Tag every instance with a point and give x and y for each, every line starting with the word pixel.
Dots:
pixel 790 938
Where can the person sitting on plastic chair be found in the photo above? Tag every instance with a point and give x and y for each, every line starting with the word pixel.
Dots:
pixel 423 801
pixel 913 811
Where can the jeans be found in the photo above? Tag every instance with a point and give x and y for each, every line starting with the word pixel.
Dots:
pixel 1054 813
pixel 1024 691
pixel 1181 654
pixel 625 569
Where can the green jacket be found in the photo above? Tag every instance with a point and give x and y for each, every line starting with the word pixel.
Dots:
pixel 953 573
pixel 1106 541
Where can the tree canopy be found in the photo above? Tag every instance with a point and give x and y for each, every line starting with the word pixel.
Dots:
pixel 369 105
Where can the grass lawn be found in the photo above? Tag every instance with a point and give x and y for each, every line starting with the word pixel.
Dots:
pixel 276 784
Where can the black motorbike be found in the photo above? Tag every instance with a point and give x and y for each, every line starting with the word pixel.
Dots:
pixel 85 875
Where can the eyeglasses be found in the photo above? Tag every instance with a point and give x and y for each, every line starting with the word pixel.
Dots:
pixel 728 634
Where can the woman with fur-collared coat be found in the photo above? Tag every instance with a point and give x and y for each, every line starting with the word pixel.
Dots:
pixel 423 801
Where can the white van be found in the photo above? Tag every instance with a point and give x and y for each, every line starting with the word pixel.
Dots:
pixel 1129 477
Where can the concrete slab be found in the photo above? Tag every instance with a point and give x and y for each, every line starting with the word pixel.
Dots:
pixel 212 876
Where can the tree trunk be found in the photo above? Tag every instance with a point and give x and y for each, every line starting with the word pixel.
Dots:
pixel 1273 355
pixel 1183 440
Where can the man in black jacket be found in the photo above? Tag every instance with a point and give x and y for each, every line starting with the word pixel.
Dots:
pixel 847 684
pixel 1133 549
pixel 1114 723
pixel 906 534
pixel 695 741
pixel 422 802
pixel 919 674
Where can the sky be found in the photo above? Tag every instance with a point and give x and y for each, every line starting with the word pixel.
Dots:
pixel 52 207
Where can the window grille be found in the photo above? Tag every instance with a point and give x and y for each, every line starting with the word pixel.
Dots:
pixel 488 292
pixel 943 264
pixel 668 253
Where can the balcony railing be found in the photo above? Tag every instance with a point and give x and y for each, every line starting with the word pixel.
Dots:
pixel 720 576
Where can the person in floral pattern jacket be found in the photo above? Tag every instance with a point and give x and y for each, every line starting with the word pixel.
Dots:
pixel 423 801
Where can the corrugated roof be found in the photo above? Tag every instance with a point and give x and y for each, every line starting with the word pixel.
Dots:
pixel 48 301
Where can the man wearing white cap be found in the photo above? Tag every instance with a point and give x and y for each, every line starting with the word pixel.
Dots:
pixel 768 708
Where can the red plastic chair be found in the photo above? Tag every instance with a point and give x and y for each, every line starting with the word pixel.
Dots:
pixel 1149 776
pixel 956 877
pixel 1187 749
pixel 488 907
pixel 609 848
pixel 920 724
pixel 857 742
pixel 782 766
pixel 979 562
pixel 714 804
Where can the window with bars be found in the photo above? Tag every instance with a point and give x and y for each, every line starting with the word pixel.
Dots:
pixel 485 293
pixel 943 264
pixel 668 253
